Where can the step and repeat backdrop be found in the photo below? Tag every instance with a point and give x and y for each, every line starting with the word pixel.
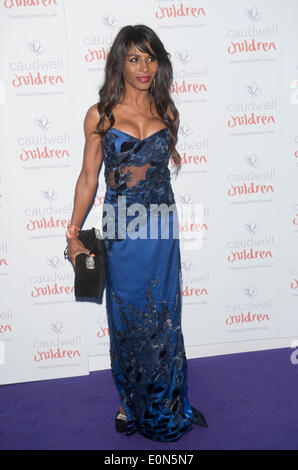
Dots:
pixel 235 85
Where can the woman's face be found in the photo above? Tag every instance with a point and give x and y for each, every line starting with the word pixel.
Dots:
pixel 139 68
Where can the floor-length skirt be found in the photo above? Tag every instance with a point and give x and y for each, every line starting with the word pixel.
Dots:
pixel 143 301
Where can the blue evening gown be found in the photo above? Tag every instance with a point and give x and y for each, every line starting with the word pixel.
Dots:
pixel 143 290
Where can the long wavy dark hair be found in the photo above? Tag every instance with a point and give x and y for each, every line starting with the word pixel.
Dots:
pixel 110 91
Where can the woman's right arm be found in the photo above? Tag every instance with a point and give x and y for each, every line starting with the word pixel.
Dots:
pixel 87 180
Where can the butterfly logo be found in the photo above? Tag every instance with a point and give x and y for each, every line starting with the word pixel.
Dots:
pixel 36 47
pixel 43 123
pixel 57 327
pixel 253 90
pixel 250 291
pixel 49 194
pixel 110 21
pixel 54 262
pixel 251 227
pixel 183 56
pixel 187 266
pixel 186 198
pixel 253 14
pixel 252 160
pixel 185 130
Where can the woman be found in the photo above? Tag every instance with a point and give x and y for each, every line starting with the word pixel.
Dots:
pixel 133 129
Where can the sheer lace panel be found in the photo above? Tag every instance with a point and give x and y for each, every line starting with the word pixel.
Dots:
pixel 129 175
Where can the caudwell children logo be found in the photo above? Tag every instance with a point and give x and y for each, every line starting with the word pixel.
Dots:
pixel 39 70
pixel 57 349
pixel 102 330
pixel 255 37
pixel 252 311
pixel 254 182
pixel 246 116
pixel 195 285
pixel 48 218
pixel 45 148
pixel 11 4
pixel 295 151
pixel 294 218
pixel 294 281
pixel 194 153
pixel 3 257
pixel 52 285
pixel 96 48
pixel 187 80
pixel 251 250
pixel 192 226
pixel 6 324
pixel 180 11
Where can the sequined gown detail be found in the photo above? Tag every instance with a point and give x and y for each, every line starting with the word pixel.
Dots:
pixel 143 290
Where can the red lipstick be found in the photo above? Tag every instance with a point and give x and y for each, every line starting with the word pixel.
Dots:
pixel 144 79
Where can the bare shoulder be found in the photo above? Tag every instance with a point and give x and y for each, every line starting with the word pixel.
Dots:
pixel 91 120
pixel 92 112
pixel 171 114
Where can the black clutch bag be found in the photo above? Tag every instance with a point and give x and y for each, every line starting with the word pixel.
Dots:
pixel 90 271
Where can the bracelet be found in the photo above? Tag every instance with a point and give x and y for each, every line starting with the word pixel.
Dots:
pixel 70 230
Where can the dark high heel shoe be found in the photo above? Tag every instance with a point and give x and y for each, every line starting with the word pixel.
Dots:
pixel 120 422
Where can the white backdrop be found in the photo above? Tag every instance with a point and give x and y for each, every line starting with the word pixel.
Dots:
pixel 235 85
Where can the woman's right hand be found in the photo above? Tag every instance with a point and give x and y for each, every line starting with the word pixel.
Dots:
pixel 74 247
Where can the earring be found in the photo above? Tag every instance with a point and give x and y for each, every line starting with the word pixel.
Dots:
pixel 153 84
